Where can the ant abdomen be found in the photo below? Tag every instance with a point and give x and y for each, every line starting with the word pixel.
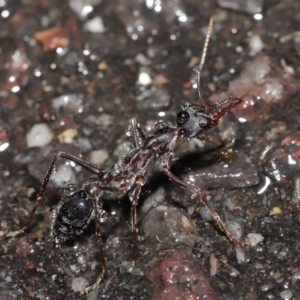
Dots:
pixel 72 217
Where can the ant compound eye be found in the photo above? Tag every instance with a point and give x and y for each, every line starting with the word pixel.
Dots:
pixel 182 117
pixel 203 122
pixel 126 159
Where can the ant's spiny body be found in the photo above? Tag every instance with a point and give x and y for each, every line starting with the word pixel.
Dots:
pixel 80 206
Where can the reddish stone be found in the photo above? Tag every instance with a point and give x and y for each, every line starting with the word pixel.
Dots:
pixel 52 38
pixel 177 277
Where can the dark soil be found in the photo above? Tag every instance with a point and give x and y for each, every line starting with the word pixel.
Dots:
pixel 252 180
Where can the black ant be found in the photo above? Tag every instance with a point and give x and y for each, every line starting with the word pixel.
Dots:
pixel 80 206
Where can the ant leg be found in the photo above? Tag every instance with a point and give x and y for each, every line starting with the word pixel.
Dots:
pixel 134 196
pixel 215 215
pixel 99 240
pixel 138 134
pixel 85 165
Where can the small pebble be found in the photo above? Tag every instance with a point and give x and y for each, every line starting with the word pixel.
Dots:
pixel 273 90
pixel 73 101
pixel 102 66
pixel 234 272
pixel 255 44
pixel 286 295
pixel 276 210
pixel 190 210
pixel 296 192
pixel 249 7
pixel 214 265
pixel 185 222
pixel 79 284
pixel 144 78
pixel 142 59
pixel 235 228
pixel 97 157
pixel 81 259
pixel 67 136
pixel 240 254
pixel 63 175
pixel 84 143
pixel 253 239
pixel 83 7
pixel 52 38
pixel 296 276
pixel 205 214
pixel 266 287
pixel 39 135
pixel 95 25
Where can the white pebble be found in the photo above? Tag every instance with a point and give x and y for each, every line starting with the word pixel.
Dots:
pixel 240 254
pixel 68 100
pixel 235 228
pixel 296 276
pixel 255 44
pixel 79 284
pixel 253 239
pixel 190 210
pixel 97 157
pixel 64 175
pixel 94 264
pixel 205 214
pixel 266 287
pixel 144 78
pixel 83 7
pixel 273 90
pixel 95 25
pixel 142 59
pixel 286 295
pixel 81 259
pixel 249 7
pixel 39 135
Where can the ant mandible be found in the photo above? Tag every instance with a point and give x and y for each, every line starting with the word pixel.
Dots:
pixel 80 206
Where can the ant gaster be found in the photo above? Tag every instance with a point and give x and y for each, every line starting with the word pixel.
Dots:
pixel 80 206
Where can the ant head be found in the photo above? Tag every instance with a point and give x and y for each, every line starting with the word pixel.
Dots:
pixel 196 120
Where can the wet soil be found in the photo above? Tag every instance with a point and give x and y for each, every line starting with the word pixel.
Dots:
pixel 84 68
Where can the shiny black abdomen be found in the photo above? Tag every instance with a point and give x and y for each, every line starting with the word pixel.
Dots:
pixel 72 217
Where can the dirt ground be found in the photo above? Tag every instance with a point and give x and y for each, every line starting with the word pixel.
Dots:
pixel 84 68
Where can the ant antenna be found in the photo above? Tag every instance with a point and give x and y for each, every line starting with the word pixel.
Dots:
pixel 198 68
